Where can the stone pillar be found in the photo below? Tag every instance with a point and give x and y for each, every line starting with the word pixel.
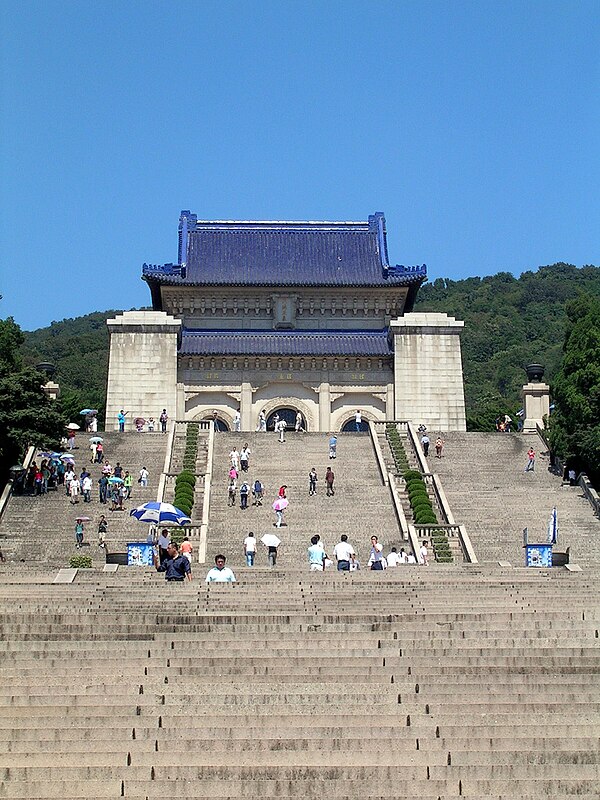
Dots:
pixel 536 402
pixel 248 424
pixel 428 381
pixel 142 368
pixel 180 401
pixel 324 407
pixel 51 390
pixel 389 402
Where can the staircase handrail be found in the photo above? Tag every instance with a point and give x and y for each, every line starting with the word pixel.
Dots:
pixel 413 438
pixel 379 455
pixel 400 515
pixel 206 497
pixel 7 491
pixel 589 492
pixel 160 492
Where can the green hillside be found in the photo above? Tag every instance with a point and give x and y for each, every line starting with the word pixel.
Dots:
pixel 509 322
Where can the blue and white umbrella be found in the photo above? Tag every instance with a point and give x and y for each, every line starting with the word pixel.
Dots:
pixel 160 514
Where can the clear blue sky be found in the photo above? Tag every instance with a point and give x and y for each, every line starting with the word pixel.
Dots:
pixel 473 125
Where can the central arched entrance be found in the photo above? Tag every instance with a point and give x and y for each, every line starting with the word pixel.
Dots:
pixel 219 423
pixel 350 426
pixel 286 413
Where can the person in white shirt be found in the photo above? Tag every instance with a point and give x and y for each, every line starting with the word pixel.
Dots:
pixel 423 555
pixel 245 457
pixel 235 459
pixel 357 420
pixel 220 573
pixel 86 488
pixel 143 479
pixel 343 553
pixel 402 557
pixel 237 422
pixel 411 559
pixel 393 558
pixel 281 426
pixel 250 549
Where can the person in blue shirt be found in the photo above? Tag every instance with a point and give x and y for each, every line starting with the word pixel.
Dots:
pixel 175 566
pixel 121 420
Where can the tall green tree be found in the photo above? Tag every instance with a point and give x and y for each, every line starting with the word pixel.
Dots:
pixel 27 415
pixel 575 423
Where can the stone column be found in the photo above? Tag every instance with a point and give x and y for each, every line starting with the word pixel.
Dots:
pixel 428 381
pixel 142 368
pixel 536 402
pixel 324 407
pixel 248 424
pixel 51 390
pixel 389 402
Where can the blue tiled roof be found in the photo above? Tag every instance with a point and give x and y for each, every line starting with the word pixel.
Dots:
pixel 285 343
pixel 283 254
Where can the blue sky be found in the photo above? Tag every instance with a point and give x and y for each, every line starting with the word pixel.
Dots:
pixel 473 125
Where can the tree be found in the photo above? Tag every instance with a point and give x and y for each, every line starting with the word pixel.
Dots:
pixel 575 423
pixel 27 415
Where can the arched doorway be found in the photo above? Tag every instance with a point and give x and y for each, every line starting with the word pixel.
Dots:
pixel 350 426
pixel 221 424
pixel 286 413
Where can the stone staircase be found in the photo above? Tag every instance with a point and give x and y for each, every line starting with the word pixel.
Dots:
pixel 470 682
pixel 42 529
pixel 361 505
pixel 485 483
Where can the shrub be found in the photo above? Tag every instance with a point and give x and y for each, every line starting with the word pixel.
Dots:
pixel 412 473
pixel 425 517
pixel 415 490
pixel 187 509
pixel 80 562
pixel 185 478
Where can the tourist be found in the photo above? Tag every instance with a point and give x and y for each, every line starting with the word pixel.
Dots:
pixel 272 554
pixel 281 426
pixel 357 420
pixel 316 555
pixel 215 421
pixel 237 422
pixel 312 482
pixel 250 549
pixel 572 475
pixel 121 420
pixel 530 460
pixel 402 556
pixel 425 444
pixel 118 471
pixel 143 477
pixel 107 469
pixel 439 446
pixel 71 440
pixel 424 555
pixel 175 566
pixel 279 515
pixel 410 559
pixel 220 573
pixel 262 422
pixel 245 457
pixel 376 560
pixel 102 531
pixel 343 553
pixel 74 489
pixel 244 492
pixel 103 488
pixel 69 475
pixel 329 479
pixel 354 563
pixel 78 533
pixel 122 495
pixel 507 423
pixel 150 424
pixel 299 427
pixel 186 549
pixel 235 459
pixel 282 490
pixel 258 492
pixel 332 446
pixel 233 474
pixel 99 452
pixel 231 491
pixel 163 543
pixel 276 422
pixel 86 488
pixel 128 484
pixel 114 497
pixel 163 419
pixel 393 559
pixel 94 449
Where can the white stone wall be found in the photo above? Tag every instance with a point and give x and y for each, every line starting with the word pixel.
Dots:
pixel 142 372
pixel 428 380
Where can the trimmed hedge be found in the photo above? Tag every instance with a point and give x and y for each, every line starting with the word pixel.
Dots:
pixel 80 562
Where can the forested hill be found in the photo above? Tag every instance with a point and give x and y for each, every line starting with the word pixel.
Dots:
pixel 509 322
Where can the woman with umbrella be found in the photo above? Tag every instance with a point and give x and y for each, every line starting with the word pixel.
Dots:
pixel 271 542
pixel 279 507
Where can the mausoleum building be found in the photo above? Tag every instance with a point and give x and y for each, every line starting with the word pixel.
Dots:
pixel 285 317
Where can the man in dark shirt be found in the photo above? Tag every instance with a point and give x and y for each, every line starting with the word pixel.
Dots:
pixel 175 566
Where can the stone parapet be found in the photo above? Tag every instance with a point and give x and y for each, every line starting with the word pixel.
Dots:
pixel 428 380
pixel 142 373
pixel 536 401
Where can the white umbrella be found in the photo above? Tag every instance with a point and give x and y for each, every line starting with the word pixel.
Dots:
pixel 270 540
pixel 72 426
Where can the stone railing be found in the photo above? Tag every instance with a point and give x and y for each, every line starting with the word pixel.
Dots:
pixel 590 493
pixel 206 499
pixel 452 532
pixel 378 454
pixel 7 491
pixel 160 494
